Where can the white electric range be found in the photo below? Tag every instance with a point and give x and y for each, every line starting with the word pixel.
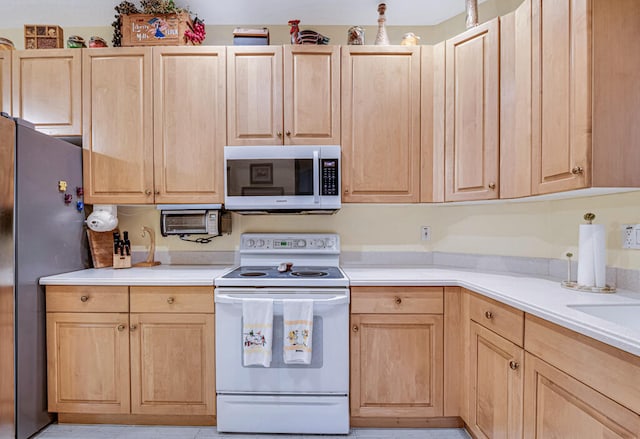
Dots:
pixel 285 398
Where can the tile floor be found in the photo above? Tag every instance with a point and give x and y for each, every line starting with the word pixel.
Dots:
pixel 78 431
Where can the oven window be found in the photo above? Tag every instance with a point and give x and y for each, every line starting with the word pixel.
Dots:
pixel 281 177
pixel 277 353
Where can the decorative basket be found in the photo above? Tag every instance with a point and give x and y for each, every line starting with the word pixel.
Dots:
pixel 155 29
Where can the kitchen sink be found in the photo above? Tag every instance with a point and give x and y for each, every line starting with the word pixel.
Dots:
pixel 627 315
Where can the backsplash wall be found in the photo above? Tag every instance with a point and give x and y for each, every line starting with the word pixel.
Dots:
pixel 545 229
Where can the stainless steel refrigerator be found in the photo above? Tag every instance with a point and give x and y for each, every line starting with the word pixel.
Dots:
pixel 40 235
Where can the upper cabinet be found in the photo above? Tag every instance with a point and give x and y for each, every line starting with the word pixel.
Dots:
pixel 154 126
pixel 283 95
pixel 5 81
pixel 381 124
pixel 515 102
pixel 189 124
pixel 118 126
pixel 585 63
pixel 472 112
pixel 47 89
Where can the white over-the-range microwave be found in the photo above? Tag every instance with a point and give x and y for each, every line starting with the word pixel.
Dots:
pixel 282 179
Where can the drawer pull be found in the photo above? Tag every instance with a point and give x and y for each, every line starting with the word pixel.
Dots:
pixel 170 300
pixel 121 327
pixel 133 327
pixel 488 315
pixel 355 328
pixel 398 300
pixel 84 298
pixel 514 365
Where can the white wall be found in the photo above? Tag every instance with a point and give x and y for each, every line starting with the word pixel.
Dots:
pixel 536 229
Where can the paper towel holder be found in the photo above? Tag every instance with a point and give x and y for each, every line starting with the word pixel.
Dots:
pixel 573 285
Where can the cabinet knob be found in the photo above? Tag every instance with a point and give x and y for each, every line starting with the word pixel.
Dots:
pixel 279 134
pixel 355 328
pixel 288 133
pixel 398 300
pixel 157 192
pixel 121 327
pixel 147 192
pixel 488 314
pixel 577 170
pixel 170 300
pixel 133 327
pixel 346 190
pixel 492 185
pixel 84 298
pixel 514 365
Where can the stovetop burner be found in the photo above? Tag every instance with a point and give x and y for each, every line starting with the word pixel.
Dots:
pixel 253 274
pixel 309 273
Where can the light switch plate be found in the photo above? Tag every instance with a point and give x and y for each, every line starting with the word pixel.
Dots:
pixel 631 236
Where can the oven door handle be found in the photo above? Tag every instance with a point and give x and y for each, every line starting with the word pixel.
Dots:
pixel 336 300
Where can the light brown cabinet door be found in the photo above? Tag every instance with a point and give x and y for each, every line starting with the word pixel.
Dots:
pixel 5 81
pixel 496 381
pixel 118 126
pixel 47 90
pixel 396 365
pixel 559 406
pixel 172 364
pixel 311 95
pixel 189 123
pixel 472 114
pixel 561 80
pixel 380 124
pixel 254 95
pixel 88 362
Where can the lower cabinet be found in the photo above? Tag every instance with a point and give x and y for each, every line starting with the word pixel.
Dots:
pixel 88 362
pixel 154 356
pixel 396 354
pixel 496 383
pixel 559 406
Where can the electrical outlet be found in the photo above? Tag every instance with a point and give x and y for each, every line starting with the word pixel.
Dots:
pixel 425 233
pixel 631 236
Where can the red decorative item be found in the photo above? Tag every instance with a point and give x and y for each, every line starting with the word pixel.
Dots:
pixel 294 31
pixel 196 32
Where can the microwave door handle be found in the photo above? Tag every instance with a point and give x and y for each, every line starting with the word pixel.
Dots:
pixel 316 177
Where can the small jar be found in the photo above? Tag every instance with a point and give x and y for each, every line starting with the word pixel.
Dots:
pixel 355 36
pixel 410 39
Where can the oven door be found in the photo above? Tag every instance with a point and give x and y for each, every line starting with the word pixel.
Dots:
pixel 328 372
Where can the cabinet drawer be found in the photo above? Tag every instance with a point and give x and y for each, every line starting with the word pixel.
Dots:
pixel 397 300
pixel 87 298
pixel 501 319
pixel 172 299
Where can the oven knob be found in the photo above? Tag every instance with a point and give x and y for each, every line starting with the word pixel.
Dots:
pixel 260 243
pixel 320 243
pixel 301 243
pixel 250 243
pixel 330 243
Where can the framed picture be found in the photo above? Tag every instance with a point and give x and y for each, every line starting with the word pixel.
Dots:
pixel 261 173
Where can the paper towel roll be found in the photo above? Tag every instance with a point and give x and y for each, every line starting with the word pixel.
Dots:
pixel 592 258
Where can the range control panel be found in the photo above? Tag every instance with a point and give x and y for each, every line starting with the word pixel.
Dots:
pixel 313 243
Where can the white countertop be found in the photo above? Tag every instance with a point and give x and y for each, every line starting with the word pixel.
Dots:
pixel 540 297
pixel 169 275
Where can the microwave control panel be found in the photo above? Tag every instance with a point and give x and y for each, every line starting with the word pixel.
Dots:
pixel 329 177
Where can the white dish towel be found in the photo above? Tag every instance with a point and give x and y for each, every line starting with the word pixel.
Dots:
pixel 298 331
pixel 257 331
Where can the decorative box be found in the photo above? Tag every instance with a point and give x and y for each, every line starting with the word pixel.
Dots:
pixel 43 36
pixel 250 37
pixel 154 29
